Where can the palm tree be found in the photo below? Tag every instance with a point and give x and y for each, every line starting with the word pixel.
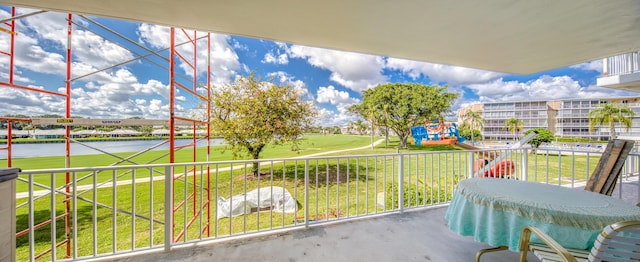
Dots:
pixel 608 115
pixel 361 127
pixel 475 121
pixel 513 125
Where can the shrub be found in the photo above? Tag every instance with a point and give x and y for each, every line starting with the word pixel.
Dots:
pixel 422 197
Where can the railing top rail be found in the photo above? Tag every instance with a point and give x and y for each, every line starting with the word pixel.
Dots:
pixel 301 158
pixel 233 162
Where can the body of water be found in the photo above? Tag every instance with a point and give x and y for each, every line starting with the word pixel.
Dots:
pixel 57 149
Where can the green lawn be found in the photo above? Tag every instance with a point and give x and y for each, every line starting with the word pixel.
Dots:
pixel 309 144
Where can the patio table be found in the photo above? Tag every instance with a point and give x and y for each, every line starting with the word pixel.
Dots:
pixel 494 211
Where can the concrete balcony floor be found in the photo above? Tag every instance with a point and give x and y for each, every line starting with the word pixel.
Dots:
pixel 419 235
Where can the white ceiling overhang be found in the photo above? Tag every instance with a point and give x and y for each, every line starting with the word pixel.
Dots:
pixel 516 36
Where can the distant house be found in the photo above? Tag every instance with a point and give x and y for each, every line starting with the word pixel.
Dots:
pixel 123 133
pixel 160 132
pixel 199 132
pixel 47 134
pixel 86 133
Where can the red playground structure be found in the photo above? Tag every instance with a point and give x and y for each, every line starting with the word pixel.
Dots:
pixel 494 164
pixel 501 169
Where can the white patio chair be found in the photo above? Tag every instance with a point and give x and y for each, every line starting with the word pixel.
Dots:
pixel 617 242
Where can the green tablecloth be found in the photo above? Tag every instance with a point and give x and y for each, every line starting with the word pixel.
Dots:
pixel 495 210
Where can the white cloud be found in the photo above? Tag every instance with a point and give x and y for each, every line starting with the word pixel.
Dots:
pixel 225 63
pixel 155 104
pixel 24 102
pixel 335 97
pixel 341 100
pixel 544 88
pixel 352 70
pixel 329 118
pixel 36 59
pixel 112 93
pixel 28 54
pixel 156 36
pixel 152 87
pixel 87 47
pixel 50 25
pixel 96 51
pixel 280 59
pixel 238 46
pixel 120 92
pixel 289 80
pixel 452 75
pixel 590 66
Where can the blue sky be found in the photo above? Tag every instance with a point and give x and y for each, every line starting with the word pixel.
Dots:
pixel 333 79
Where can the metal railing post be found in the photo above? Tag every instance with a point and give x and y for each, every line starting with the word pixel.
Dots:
pixel 8 214
pixel 470 165
pixel 306 193
pixel 168 207
pixel 636 171
pixel 401 182
pixel 524 156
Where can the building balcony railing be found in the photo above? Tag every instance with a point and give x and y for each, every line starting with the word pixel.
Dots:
pixel 99 212
pixel 622 64
pixel 565 109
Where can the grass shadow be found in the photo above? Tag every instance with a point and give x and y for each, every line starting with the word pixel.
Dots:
pixel 326 172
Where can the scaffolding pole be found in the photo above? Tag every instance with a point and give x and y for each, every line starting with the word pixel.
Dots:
pixel 174 119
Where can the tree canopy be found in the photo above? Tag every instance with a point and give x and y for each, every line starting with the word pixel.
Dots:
pixel 399 106
pixel 250 113
pixel 610 114
pixel 544 136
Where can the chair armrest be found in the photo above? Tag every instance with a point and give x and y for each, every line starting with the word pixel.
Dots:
pixel 525 237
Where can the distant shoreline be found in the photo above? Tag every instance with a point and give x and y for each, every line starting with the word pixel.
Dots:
pixel 101 139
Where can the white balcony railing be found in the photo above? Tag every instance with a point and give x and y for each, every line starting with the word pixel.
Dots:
pixel 75 213
pixel 622 64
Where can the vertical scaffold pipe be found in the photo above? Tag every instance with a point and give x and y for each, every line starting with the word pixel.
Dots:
pixel 68 137
pixel 208 125
pixel 172 146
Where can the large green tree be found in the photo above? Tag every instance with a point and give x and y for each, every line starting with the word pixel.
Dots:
pixel 543 136
pixel 608 115
pixel 250 113
pixel 474 120
pixel 399 106
pixel 514 126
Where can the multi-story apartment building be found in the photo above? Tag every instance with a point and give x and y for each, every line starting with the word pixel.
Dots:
pixel 564 118
pixel 533 114
pixel 573 121
pixel 569 118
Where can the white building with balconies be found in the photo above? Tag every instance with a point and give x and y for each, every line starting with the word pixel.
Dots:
pixel 564 118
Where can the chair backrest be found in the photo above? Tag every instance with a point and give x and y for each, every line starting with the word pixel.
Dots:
pixel 604 177
pixel 618 242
